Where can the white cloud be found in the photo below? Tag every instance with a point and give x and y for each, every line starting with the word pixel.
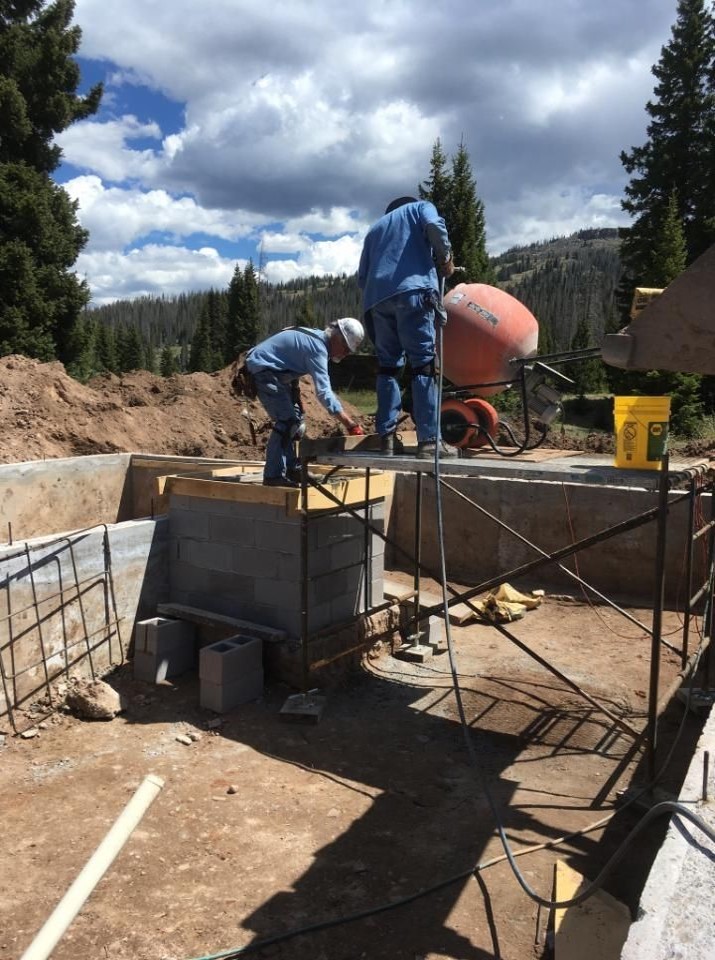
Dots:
pixel 117 216
pixel 554 213
pixel 317 258
pixel 104 148
pixel 153 270
pixel 303 120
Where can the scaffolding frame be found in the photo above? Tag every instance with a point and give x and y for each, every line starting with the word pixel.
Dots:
pixel 698 479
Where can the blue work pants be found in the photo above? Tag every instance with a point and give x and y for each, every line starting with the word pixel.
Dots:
pixel 277 396
pixel 401 326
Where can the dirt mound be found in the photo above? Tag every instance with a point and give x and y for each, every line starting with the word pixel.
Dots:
pixel 44 413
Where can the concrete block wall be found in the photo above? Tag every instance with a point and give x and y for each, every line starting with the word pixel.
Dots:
pixel 244 560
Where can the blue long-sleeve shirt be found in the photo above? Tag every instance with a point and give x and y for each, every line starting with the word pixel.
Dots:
pixel 397 252
pixel 296 353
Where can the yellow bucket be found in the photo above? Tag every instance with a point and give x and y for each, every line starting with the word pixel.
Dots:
pixel 641 431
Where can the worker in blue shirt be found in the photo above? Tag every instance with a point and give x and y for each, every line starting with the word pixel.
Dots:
pixel 398 275
pixel 276 365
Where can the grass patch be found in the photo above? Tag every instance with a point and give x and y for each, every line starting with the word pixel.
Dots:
pixel 364 401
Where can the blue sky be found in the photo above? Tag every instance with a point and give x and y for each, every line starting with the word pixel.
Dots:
pixel 280 132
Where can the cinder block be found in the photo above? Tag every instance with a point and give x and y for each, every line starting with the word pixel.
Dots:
pixel 433 633
pixel 222 697
pixel 184 575
pixel 229 660
pixel 347 551
pixel 282 593
pixel 162 634
pixel 188 523
pixel 255 562
pixel 233 530
pixel 323 589
pixel 228 508
pixel 230 584
pixel 283 537
pixel 210 556
pixel 163 649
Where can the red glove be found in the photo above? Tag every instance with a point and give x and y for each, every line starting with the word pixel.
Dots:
pixel 356 431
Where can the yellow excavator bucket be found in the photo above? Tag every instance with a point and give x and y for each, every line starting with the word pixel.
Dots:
pixel 642 297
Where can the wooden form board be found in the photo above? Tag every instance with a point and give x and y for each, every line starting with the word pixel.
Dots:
pixel 350 487
pixel 595 929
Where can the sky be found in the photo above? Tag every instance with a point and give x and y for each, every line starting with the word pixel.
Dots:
pixel 280 131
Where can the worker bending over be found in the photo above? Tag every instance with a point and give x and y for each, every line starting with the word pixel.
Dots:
pixel 400 288
pixel 276 365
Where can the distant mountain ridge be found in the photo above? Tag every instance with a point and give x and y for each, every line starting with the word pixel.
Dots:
pixel 562 281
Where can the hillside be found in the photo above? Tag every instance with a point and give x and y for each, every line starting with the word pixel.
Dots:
pixel 561 280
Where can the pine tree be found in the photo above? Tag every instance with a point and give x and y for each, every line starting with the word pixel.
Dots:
pixel 669 256
pixel 216 304
pixel 130 349
pixel 202 354
pixel 679 151
pixel 233 316
pixel 455 196
pixel 306 312
pixel 106 348
pixel 587 375
pixel 249 311
pixel 465 214
pixel 438 185
pixel 41 299
pixel 168 365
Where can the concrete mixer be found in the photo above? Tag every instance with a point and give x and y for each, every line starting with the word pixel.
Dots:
pixel 488 335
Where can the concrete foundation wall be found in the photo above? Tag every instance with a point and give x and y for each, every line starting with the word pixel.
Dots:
pixel 58 600
pixel 44 497
pixel 47 496
pixel 551 516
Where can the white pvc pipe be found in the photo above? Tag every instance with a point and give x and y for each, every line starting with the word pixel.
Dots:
pixel 93 871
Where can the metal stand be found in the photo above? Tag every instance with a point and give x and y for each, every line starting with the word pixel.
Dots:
pixel 699 480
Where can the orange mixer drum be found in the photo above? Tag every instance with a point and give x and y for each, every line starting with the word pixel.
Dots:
pixel 486 328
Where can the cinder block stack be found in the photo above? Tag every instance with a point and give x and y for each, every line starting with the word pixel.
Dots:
pixel 163 648
pixel 230 673
pixel 244 560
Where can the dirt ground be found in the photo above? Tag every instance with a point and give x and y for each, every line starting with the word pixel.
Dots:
pixel 45 413
pixel 361 811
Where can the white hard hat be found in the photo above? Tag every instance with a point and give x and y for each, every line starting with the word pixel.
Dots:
pixel 352 331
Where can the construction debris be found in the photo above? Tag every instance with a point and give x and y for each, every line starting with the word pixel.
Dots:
pixel 93 700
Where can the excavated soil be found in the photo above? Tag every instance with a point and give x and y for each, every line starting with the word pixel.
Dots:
pixel 44 413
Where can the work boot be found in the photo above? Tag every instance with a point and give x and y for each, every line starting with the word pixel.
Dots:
pixel 280 482
pixel 391 445
pixel 426 450
pixel 296 475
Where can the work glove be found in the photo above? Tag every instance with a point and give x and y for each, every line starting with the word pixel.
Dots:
pixel 440 312
pixel 356 431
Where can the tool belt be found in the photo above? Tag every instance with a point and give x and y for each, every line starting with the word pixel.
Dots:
pixel 242 382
